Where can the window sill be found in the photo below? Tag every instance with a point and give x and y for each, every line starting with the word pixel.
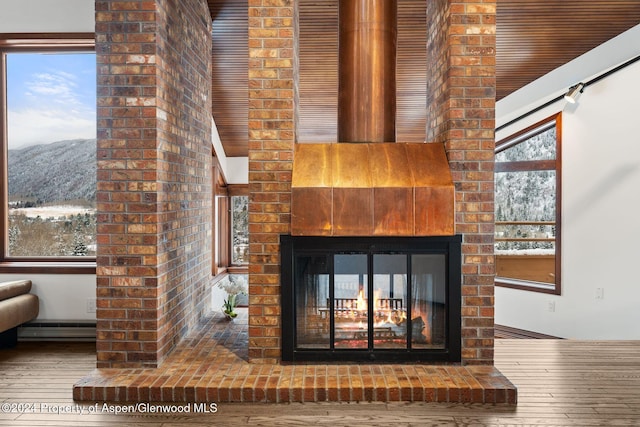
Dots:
pixel 238 269
pixel 48 267
pixel 523 285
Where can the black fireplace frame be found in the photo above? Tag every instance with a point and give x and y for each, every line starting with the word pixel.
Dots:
pixel 449 246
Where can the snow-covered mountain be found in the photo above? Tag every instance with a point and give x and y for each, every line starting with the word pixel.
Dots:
pixel 56 172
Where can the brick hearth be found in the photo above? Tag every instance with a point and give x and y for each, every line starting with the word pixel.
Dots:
pixel 211 365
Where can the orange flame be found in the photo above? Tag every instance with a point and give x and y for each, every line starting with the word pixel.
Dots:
pixel 361 303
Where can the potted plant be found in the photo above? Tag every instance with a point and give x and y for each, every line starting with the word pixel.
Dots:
pixel 233 286
pixel 228 308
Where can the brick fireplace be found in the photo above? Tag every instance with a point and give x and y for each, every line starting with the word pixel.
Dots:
pixel 460 99
pixel 155 208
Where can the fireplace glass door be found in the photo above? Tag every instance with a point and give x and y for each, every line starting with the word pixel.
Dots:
pixel 369 302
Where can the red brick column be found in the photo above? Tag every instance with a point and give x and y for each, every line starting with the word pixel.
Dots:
pixel 461 104
pixel 154 184
pixel 271 139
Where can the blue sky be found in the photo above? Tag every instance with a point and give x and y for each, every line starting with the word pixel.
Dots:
pixel 50 97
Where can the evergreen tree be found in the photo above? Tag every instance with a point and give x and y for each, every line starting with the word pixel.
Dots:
pixel 14 235
pixel 79 247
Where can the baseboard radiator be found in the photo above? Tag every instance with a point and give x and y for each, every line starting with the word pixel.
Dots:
pixel 57 331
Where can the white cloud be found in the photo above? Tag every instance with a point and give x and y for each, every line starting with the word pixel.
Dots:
pixel 45 125
pixel 59 87
pixel 50 110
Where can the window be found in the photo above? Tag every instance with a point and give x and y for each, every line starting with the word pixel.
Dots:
pixel 240 230
pixel 527 204
pixel 231 225
pixel 220 220
pixel 48 160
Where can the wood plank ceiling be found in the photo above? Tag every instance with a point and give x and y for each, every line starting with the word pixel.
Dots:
pixel 533 37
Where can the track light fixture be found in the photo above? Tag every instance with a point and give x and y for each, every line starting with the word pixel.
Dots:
pixel 574 93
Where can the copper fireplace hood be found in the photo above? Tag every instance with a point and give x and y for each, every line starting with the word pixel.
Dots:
pixel 368 185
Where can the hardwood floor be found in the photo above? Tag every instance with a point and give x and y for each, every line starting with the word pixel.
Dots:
pixel 560 383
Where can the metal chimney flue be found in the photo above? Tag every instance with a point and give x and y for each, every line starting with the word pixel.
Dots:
pixel 367 70
pixel 367 184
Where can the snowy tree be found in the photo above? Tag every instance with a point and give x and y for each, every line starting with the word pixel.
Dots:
pixel 240 229
pixel 79 247
pixel 14 236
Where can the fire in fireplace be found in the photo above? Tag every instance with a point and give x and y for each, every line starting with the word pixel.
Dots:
pixel 371 298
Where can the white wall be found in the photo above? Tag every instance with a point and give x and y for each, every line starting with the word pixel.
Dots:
pixel 234 169
pixel 47 16
pixel 600 198
pixel 62 297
